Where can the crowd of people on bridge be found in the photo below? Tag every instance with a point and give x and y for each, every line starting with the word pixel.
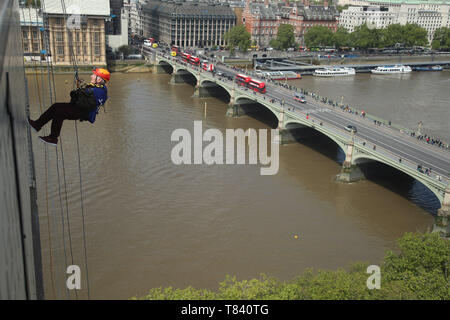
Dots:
pixel 335 104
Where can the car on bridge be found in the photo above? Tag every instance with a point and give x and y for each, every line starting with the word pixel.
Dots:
pixel 351 128
pixel 299 98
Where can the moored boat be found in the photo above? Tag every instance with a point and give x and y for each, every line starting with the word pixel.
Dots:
pixel 334 72
pixel 392 69
pixel 429 68
pixel 279 75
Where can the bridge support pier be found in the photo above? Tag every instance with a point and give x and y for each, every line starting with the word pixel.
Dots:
pixel 201 92
pixel 443 213
pixel 350 172
pixel 234 110
pixel 285 135
pixel 176 78
pixel 158 69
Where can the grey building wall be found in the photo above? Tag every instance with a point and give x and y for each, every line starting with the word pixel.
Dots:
pixel 20 261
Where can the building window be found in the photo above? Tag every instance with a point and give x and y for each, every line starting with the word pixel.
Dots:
pixel 59 36
pixel 25 34
pixel 96 37
pixel 25 46
pixel 35 47
pixel 58 21
pixel 60 50
pixel 97 50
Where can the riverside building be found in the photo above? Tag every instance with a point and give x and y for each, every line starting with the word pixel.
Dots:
pixel 188 24
pixel 80 27
pixel 430 15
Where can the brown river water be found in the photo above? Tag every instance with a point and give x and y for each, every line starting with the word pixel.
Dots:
pixel 150 223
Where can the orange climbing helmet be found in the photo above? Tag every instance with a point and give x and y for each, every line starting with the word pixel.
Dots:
pixel 102 73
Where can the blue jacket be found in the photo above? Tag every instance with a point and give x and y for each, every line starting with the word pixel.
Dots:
pixel 100 95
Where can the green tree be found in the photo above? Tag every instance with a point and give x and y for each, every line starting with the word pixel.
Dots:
pixel 414 35
pixel 125 50
pixel 441 38
pixel 393 34
pixel 237 36
pixel 341 38
pixel 285 37
pixel 318 36
pixel 422 265
pixel 364 38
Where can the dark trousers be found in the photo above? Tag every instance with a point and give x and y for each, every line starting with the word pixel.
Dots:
pixel 58 112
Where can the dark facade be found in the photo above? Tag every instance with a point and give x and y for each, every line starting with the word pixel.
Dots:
pixel 188 24
pixel 113 27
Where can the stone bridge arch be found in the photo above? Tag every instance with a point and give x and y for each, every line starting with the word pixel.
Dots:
pixel 317 127
pixel 438 191
pixel 206 82
pixel 244 99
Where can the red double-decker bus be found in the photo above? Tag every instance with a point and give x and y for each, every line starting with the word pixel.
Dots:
pixel 207 66
pixel 185 57
pixel 256 85
pixel 194 61
pixel 242 79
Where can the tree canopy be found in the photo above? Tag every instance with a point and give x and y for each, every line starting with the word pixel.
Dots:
pixel 285 37
pixel 125 50
pixel 318 36
pixel 238 36
pixel 364 37
pixel 341 38
pixel 441 38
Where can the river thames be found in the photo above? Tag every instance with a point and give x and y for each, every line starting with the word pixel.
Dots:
pixel 151 223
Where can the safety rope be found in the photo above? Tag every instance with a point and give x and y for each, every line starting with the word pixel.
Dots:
pixel 52 99
pixel 75 67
